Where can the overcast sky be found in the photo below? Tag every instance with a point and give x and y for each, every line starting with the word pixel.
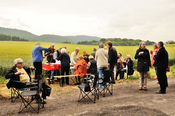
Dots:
pixel 138 19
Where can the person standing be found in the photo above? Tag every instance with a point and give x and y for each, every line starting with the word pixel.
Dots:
pixel 37 58
pixel 93 53
pixel 74 59
pixel 143 64
pixel 86 56
pixel 112 58
pixel 161 62
pixel 152 57
pixel 65 64
pixel 101 57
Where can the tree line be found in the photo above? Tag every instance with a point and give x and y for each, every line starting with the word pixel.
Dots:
pixel 11 38
pixel 117 42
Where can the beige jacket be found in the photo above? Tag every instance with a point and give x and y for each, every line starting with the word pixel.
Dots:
pixel 101 56
pixel 74 58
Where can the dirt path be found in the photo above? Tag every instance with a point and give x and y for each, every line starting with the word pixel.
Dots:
pixel 126 100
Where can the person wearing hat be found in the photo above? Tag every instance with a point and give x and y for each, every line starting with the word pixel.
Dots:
pixel 92 65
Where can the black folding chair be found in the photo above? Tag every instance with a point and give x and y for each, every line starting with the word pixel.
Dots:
pixel 89 91
pixel 107 86
pixel 33 93
pixel 15 88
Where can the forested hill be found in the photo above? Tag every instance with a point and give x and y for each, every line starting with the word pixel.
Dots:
pixel 117 42
pixel 46 37
pixel 9 38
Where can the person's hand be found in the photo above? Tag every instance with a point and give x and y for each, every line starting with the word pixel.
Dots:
pixel 18 73
pixel 140 53
pixel 31 67
pixel 108 64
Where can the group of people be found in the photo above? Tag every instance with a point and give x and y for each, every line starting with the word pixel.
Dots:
pixel 99 61
pixel 159 61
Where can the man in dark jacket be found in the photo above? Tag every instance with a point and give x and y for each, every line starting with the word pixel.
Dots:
pixel 49 53
pixel 161 62
pixel 92 65
pixel 112 58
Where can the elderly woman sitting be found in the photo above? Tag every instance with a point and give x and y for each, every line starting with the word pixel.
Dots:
pixel 19 72
pixel 80 67
pixel 92 65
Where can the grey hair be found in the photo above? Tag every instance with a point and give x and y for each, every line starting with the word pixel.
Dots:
pixel 63 50
pixel 16 61
pixel 101 45
pixel 129 56
pixel 141 44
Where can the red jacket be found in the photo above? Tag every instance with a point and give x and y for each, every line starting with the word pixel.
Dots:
pixel 152 57
pixel 81 68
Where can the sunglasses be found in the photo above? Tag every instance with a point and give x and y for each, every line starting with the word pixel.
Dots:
pixel 20 63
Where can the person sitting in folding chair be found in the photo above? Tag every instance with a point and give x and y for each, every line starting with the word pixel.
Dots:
pixel 20 73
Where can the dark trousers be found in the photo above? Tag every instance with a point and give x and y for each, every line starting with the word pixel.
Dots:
pixel 111 67
pixel 162 78
pixel 65 70
pixel 38 69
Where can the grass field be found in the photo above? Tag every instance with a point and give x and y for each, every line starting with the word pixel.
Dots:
pixel 10 50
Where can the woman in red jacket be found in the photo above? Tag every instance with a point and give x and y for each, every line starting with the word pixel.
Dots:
pixel 152 57
pixel 81 67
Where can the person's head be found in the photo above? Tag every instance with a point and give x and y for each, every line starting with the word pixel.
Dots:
pixel 18 63
pixel 84 53
pixel 94 49
pixel 142 45
pixel 38 44
pixel 52 46
pixel 160 44
pixel 80 57
pixel 128 56
pixel 119 54
pixel 64 47
pixel 101 45
pixel 77 50
pixel 60 50
pixel 155 46
pixel 63 50
pixel 109 44
pixel 91 57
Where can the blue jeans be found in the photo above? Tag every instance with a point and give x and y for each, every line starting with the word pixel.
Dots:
pixel 100 71
pixel 155 70
pixel 122 71
pixel 52 73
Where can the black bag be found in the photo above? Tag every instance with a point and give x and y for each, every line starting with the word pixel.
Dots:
pixel 87 87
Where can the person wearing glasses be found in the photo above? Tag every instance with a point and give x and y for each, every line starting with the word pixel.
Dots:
pixel 19 72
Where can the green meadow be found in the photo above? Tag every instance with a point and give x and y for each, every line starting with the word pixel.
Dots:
pixel 11 50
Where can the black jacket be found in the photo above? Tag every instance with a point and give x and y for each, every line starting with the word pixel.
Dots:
pixel 11 73
pixel 143 62
pixel 161 59
pixel 93 67
pixel 112 55
pixel 50 57
pixel 65 60
pixel 93 54
pixel 130 66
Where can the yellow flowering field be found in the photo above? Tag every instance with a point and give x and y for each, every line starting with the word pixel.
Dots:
pixel 9 50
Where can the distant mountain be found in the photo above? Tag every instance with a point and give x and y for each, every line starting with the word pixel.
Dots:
pixel 79 38
pixel 46 37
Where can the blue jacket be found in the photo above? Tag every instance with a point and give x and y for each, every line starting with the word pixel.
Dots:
pixel 37 55
pixel 65 60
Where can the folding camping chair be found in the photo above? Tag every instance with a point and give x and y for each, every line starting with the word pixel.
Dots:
pixel 86 89
pixel 33 93
pixel 107 86
pixel 15 88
